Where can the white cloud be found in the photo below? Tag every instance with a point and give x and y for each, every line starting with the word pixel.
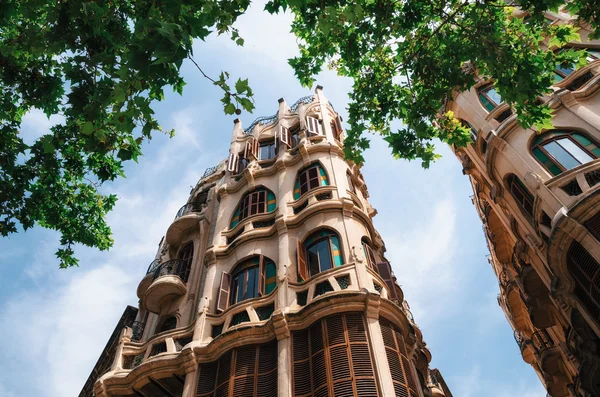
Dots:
pixel 36 123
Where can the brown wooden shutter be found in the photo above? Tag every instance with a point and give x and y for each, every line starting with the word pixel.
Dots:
pixel 338 124
pixel 255 148
pixel 301 254
pixel 232 163
pixel 284 136
pixel 262 279
pixel 251 149
pixel 400 367
pixel 223 296
pixel 385 271
pixel 312 125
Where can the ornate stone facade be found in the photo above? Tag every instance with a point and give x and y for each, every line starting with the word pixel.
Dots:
pixel 538 196
pixel 272 281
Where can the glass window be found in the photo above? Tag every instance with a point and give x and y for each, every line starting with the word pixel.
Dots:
pixel 322 251
pixel 258 202
pixel 521 195
pixel 310 178
pixel 563 70
pixel 560 151
pixel 267 151
pixel 489 97
pixel 245 281
pixel 473 130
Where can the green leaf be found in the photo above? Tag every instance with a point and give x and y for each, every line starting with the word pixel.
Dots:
pixel 87 128
pixel 229 108
pixel 241 85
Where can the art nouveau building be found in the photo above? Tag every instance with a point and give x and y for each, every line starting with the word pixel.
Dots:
pixel 272 281
pixel 538 195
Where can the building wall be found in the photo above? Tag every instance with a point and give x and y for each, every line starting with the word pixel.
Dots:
pixel 533 248
pixel 344 331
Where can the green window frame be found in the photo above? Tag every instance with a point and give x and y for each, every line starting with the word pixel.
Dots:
pixel 260 201
pixel 563 71
pixel 323 251
pixel 561 150
pixel 308 179
pixel 489 97
pixel 245 280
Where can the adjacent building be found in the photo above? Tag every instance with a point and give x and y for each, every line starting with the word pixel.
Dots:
pixel 538 195
pixel 272 281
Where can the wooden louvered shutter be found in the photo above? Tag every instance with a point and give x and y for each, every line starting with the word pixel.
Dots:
pixel 338 125
pixel 266 382
pixel 301 255
pixel 262 278
pixel 255 148
pixel 593 225
pixel 284 136
pixel 223 296
pixel 312 125
pixel 332 358
pixel 385 271
pixel 400 368
pixel 233 163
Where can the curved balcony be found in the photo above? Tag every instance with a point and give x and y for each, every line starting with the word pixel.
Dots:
pixel 148 278
pixel 575 184
pixel 168 282
pixel 186 219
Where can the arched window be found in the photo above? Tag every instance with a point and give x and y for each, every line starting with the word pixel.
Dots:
pixel 489 97
pixel 586 273
pixel 260 201
pixel 168 324
pixel 521 195
pixel 319 252
pixel 308 179
pixel 369 254
pixel 559 151
pixel 564 70
pixel 253 277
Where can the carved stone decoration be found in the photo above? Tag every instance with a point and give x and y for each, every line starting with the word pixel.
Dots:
pixel 532 181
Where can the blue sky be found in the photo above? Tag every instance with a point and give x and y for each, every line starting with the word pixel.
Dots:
pixel 54 323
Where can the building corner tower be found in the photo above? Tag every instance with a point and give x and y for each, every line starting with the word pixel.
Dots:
pixel 538 196
pixel 271 281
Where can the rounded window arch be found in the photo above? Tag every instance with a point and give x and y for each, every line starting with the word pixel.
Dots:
pixel 260 201
pixel 252 277
pixel 521 194
pixel 320 251
pixel 309 178
pixel 585 270
pixel 489 97
pixel 562 150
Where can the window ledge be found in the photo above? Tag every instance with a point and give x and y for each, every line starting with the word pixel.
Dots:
pixel 311 193
pixel 253 218
pixel 576 74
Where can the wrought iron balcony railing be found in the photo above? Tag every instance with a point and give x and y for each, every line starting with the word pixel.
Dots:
pixel 175 267
pixel 155 263
pixel 189 208
pixel 541 341
pixel 138 330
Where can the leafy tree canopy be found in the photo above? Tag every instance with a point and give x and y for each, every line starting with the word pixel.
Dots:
pixel 102 65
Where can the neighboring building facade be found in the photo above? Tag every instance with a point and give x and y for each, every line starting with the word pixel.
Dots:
pixel 538 195
pixel 272 281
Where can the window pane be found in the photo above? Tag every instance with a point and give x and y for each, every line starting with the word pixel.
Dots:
pixel 487 104
pixel 313 260
pixel 561 155
pixel 252 290
pixel 240 287
pixel 494 96
pixel 265 152
pixel 575 150
pixel 566 70
pixel 324 255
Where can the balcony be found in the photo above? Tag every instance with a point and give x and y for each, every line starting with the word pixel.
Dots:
pixel 525 347
pixel 148 278
pixel 168 282
pixel 186 219
pixel 573 185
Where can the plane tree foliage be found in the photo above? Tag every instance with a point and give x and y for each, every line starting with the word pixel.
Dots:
pixel 101 66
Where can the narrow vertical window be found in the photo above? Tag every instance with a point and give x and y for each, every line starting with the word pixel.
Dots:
pixel 521 195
